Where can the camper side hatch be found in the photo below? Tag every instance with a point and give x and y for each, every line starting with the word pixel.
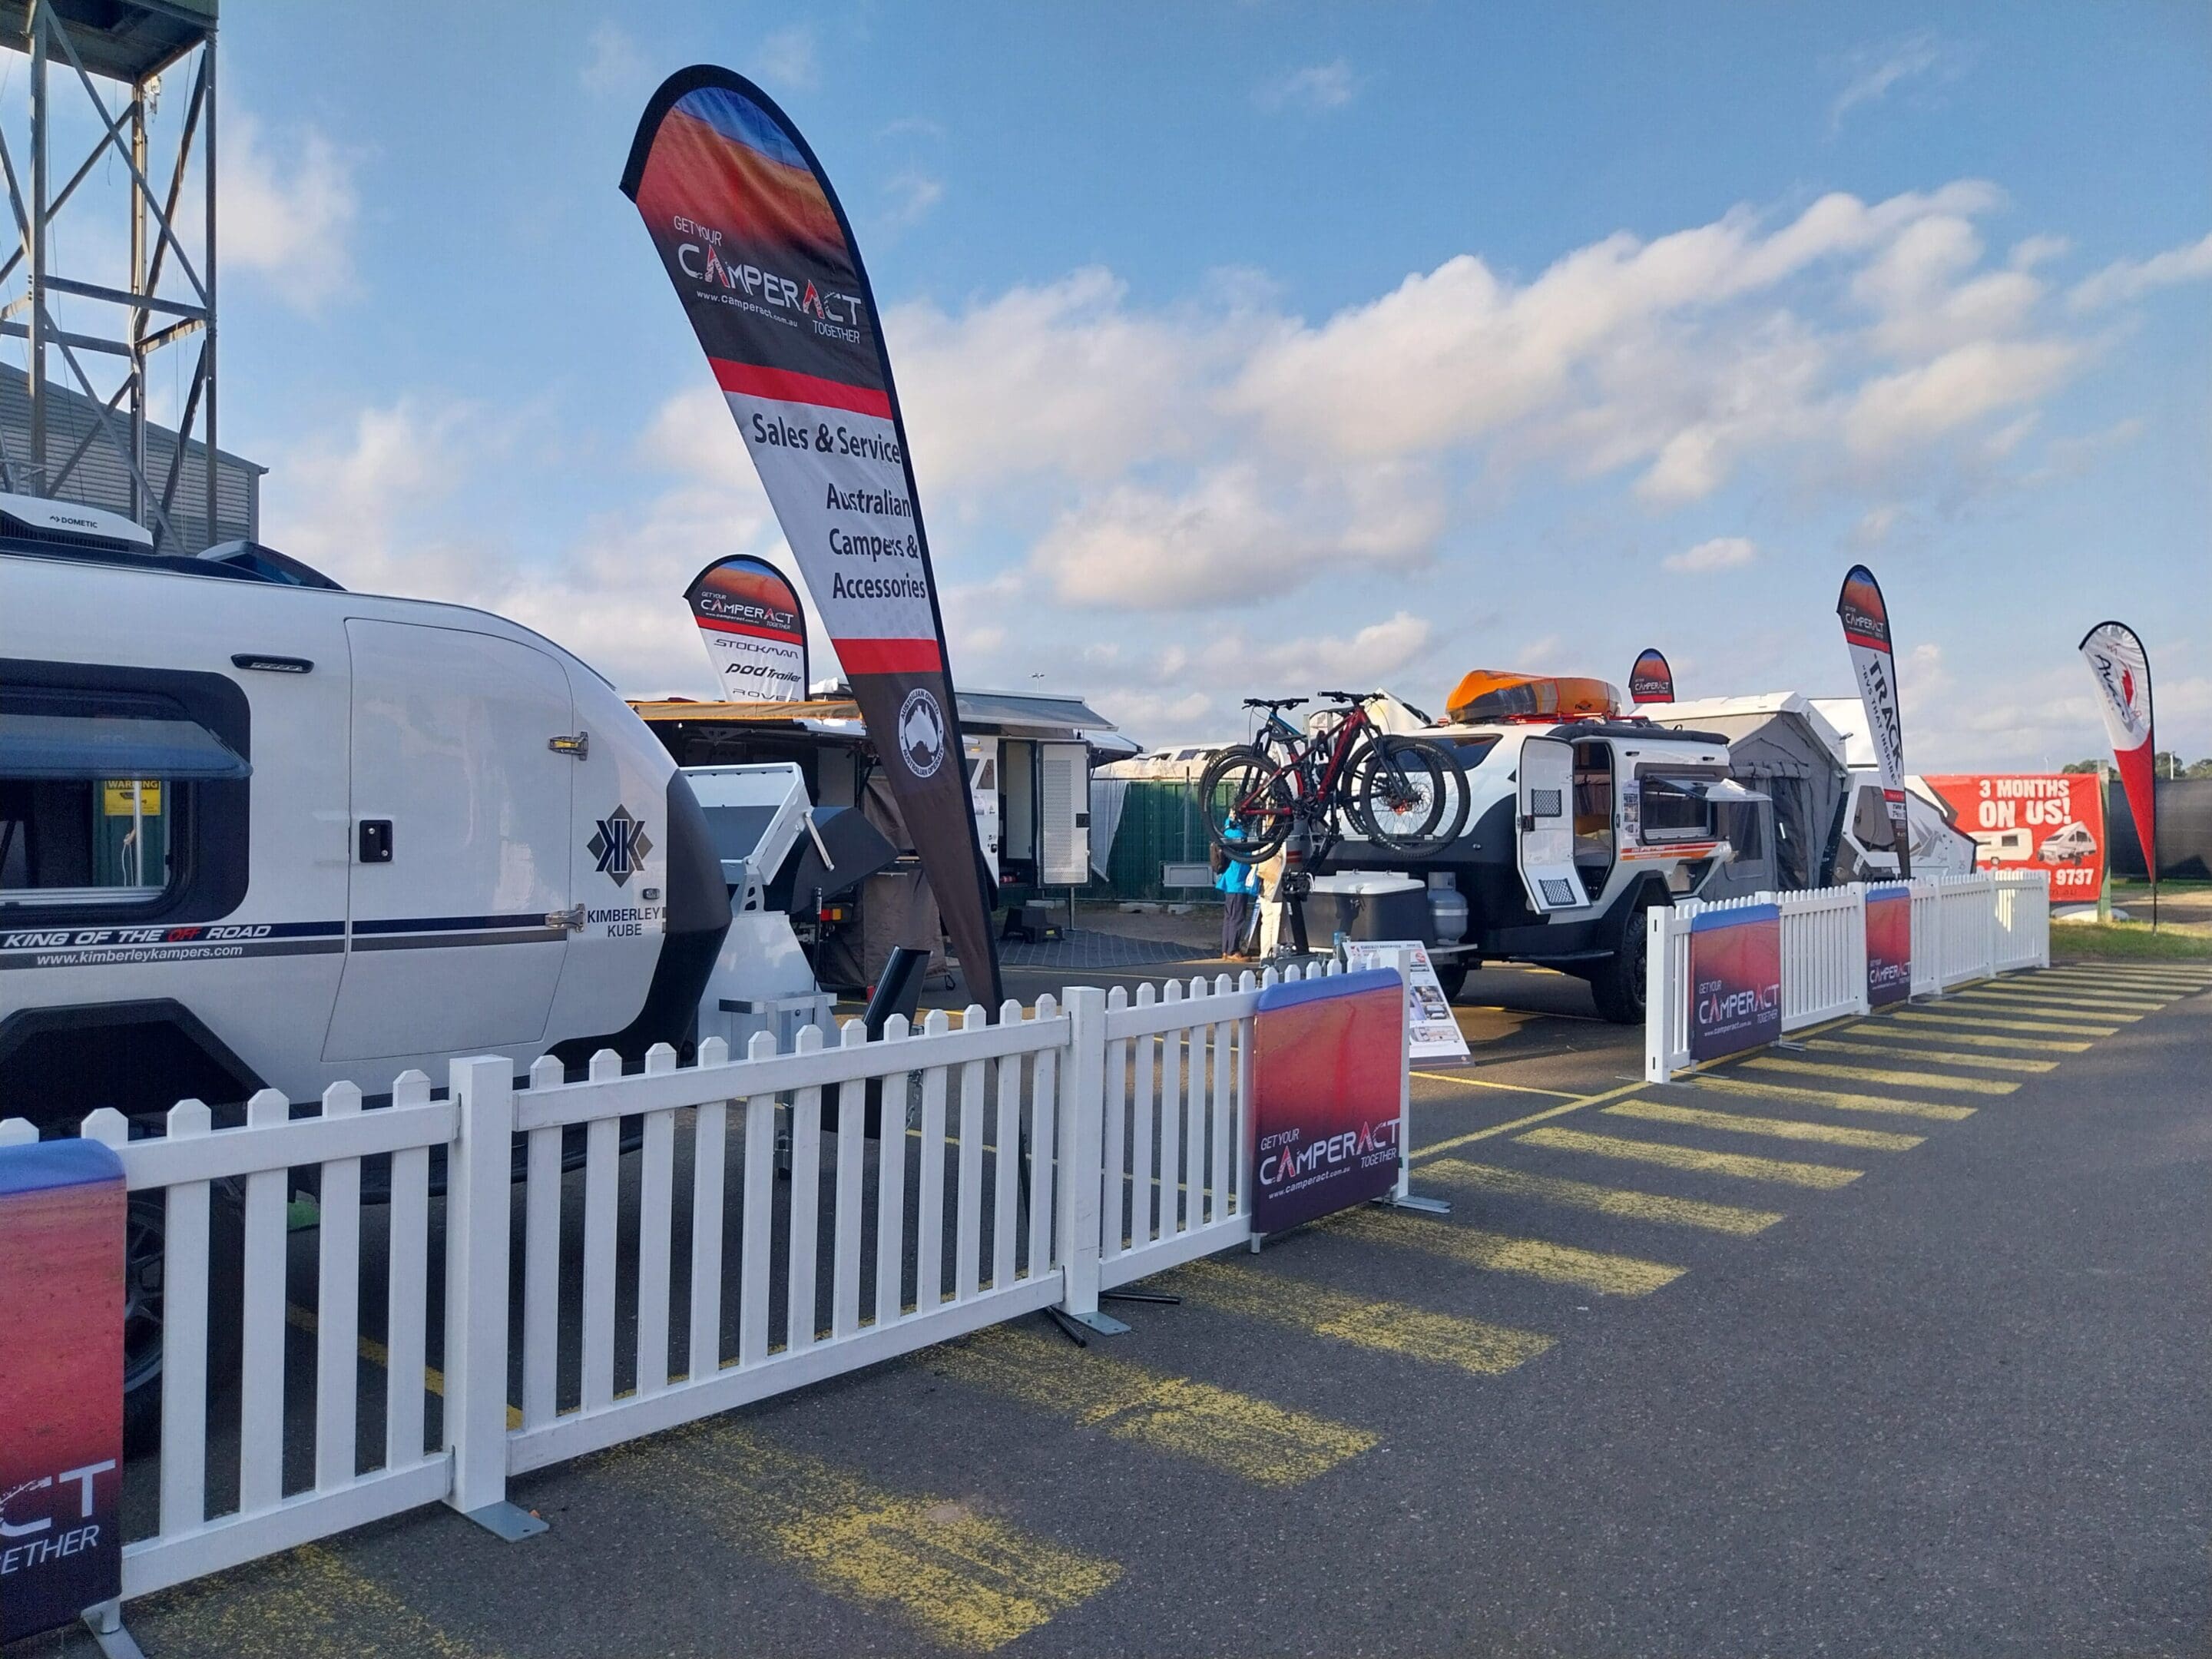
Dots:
pixel 1545 826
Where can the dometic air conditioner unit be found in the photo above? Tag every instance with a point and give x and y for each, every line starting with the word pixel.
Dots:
pixel 1064 814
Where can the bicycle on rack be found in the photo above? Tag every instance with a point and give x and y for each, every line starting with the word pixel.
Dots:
pixel 1409 794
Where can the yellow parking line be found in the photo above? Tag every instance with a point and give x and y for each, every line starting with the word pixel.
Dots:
pixel 1890 1033
pixel 304 1600
pixel 1268 1445
pixel 1391 1327
pixel 1606 1200
pixel 1601 1272
pixel 433 1380
pixel 958 1577
pixel 1964 1085
pixel 1780 1128
pixel 1948 1056
pixel 2116 972
pixel 1491 1083
pixel 1843 1103
pixel 1691 1158
pixel 2031 1028
pixel 2085 997
pixel 2048 1007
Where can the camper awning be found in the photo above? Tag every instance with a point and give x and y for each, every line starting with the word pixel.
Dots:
pixel 1024 713
pixel 80 746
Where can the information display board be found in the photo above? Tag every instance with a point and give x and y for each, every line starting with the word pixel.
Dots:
pixel 1431 1031
pixel 62 1213
pixel 2052 821
pixel 1735 980
pixel 1328 1067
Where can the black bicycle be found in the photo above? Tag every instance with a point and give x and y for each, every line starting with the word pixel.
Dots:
pixel 1407 794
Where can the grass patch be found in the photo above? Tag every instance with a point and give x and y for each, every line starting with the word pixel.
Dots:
pixel 2126 941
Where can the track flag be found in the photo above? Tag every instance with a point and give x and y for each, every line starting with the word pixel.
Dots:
pixel 1651 680
pixel 763 260
pixel 2121 667
pixel 754 628
pixel 1866 631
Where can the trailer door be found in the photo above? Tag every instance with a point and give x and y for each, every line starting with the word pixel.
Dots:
pixel 1546 826
pixel 1064 814
pixel 459 847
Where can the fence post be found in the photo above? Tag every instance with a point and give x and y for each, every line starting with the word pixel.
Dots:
pixel 1658 1005
pixel 479 1200
pixel 1082 1118
pixel 1860 1004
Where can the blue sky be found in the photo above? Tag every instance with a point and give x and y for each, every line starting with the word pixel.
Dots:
pixel 1253 348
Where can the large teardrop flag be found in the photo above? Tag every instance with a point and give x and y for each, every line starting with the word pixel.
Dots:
pixel 1650 680
pixel 763 260
pixel 1866 631
pixel 754 628
pixel 2121 667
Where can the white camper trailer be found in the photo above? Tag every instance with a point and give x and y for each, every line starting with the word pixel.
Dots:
pixel 257 831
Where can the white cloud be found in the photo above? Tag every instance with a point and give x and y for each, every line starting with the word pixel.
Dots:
pixel 288 220
pixel 913 194
pixel 2130 279
pixel 1936 398
pixel 1317 88
pixel 615 67
pixel 1721 553
pixel 1877 71
pixel 788 57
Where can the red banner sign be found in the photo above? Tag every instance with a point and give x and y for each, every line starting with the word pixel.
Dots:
pixel 2054 823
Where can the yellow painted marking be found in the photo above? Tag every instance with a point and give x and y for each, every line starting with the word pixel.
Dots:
pixel 1606 1200
pixel 1443 1146
pixel 1964 1086
pixel 1836 1098
pixel 1692 1157
pixel 2114 973
pixel 957 1576
pixel 1268 1445
pixel 378 1355
pixel 1598 1271
pixel 1491 1083
pixel 2032 1027
pixel 304 1600
pixel 1948 1056
pixel 1392 1327
pixel 1892 1034
pixel 1781 1129
pixel 2086 996
pixel 2048 1007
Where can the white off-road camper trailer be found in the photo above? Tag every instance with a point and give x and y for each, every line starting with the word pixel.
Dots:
pixel 258 831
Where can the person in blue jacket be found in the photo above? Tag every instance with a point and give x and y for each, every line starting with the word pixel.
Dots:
pixel 1238 883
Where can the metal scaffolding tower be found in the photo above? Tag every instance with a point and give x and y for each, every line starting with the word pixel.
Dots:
pixel 132 44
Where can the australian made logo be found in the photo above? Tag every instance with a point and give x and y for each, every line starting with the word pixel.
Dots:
pixel 620 845
pixel 921 733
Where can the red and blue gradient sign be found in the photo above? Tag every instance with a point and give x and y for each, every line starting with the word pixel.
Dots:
pixel 1735 980
pixel 62 1213
pixel 1888 945
pixel 1328 1067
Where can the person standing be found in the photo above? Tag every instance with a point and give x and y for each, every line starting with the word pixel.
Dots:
pixel 1238 882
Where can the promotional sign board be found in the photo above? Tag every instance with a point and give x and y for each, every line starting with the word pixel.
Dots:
pixel 1888 945
pixel 1328 1061
pixel 2052 821
pixel 62 1215
pixel 1735 980
pixel 1650 680
pixel 2121 667
pixel 1432 1032
pixel 754 628
pixel 1865 617
pixel 763 260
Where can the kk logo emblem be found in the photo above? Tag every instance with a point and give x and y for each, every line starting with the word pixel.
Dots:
pixel 620 846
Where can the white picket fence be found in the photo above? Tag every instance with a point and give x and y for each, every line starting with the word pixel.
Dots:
pixel 1964 928
pixel 1062 1151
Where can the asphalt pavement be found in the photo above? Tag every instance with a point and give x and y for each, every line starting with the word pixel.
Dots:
pixel 1889 1341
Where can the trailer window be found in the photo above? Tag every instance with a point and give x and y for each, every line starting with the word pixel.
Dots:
pixel 1675 809
pixel 99 841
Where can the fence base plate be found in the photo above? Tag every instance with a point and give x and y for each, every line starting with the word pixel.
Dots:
pixel 1104 1324
pixel 1408 1202
pixel 510 1522
pixel 105 1624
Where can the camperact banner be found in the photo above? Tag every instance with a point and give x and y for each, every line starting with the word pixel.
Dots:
pixel 1888 945
pixel 1650 680
pixel 763 260
pixel 1328 1068
pixel 754 629
pixel 2121 668
pixel 1866 631
pixel 1735 980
